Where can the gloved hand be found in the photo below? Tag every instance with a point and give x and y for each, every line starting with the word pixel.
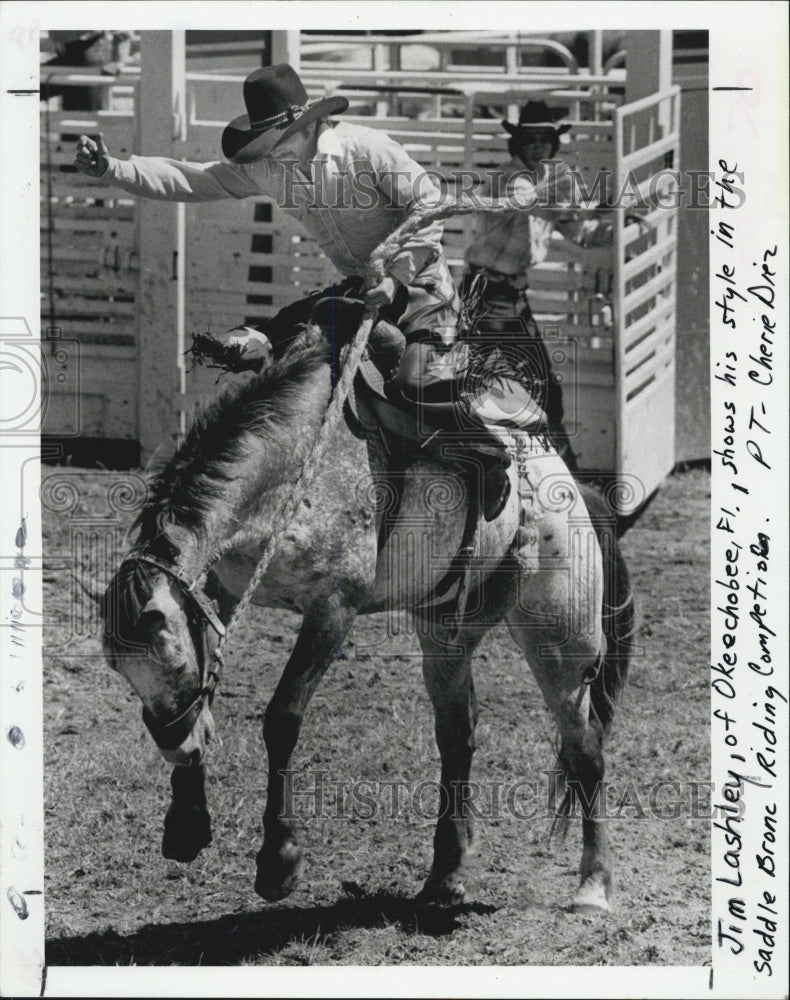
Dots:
pixel 92 155
pixel 382 294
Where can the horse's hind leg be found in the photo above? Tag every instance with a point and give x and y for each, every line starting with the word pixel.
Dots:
pixel 447 671
pixel 448 680
pixel 560 669
pixel 557 623
pixel 279 860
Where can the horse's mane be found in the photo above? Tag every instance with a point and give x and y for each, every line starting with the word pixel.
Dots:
pixel 221 439
pixel 217 447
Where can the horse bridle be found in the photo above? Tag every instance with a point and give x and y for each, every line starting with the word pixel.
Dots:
pixel 170 733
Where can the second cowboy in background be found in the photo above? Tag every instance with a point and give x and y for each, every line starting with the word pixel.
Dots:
pixel 506 246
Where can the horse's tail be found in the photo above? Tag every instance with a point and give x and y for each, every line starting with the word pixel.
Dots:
pixel 618 612
pixel 619 619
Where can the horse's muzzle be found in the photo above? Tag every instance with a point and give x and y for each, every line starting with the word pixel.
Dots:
pixel 171 733
pixel 191 750
pixel 169 736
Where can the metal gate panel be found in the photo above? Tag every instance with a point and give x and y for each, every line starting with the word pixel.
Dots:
pixel 646 144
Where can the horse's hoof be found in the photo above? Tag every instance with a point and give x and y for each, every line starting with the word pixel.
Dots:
pixel 591 898
pixel 278 873
pixel 447 892
pixel 184 853
pixel 186 834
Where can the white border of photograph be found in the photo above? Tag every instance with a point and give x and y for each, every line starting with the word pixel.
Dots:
pixel 748 135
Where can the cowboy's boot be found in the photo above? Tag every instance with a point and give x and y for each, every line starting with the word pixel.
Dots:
pixel 386 345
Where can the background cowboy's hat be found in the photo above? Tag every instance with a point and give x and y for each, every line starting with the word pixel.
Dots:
pixel 537 116
pixel 277 105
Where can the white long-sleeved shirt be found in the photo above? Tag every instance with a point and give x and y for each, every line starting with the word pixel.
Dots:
pixel 349 196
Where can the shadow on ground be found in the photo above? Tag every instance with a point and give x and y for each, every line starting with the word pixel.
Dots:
pixel 238 937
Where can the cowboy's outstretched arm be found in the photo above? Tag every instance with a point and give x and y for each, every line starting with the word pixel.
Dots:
pixel 161 178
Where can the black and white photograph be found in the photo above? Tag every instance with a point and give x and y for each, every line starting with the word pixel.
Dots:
pixel 394 500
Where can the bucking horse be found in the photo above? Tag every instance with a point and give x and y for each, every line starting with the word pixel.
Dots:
pixel 548 566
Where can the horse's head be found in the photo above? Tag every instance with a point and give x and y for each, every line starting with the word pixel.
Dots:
pixel 160 630
pixel 161 633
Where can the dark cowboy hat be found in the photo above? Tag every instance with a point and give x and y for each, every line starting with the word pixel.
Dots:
pixel 277 105
pixel 537 116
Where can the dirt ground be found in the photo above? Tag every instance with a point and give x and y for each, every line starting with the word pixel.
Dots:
pixel 112 899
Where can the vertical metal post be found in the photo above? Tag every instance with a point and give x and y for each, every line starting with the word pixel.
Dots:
pixel 469 157
pixel 595 66
pixel 511 60
pixel 648 61
pixel 161 116
pixel 595 48
pixel 512 69
pixel 381 64
pixel 619 297
pixel 286 48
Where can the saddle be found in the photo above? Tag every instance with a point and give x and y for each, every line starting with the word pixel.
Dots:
pixel 375 405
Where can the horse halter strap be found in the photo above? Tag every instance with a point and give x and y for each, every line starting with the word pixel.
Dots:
pixel 171 733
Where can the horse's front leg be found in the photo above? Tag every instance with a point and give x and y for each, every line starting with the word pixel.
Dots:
pixel 319 642
pixel 187 823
